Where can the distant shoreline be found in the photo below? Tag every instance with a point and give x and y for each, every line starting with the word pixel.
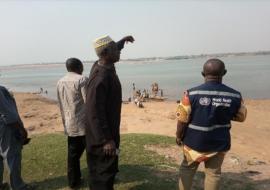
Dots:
pixel 54 100
pixel 180 57
pixel 257 53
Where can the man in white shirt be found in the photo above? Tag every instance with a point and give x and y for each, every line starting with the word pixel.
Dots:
pixel 71 93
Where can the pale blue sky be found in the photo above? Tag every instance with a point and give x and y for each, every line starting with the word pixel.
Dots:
pixel 52 31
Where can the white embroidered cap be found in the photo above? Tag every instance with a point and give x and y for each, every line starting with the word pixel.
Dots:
pixel 102 41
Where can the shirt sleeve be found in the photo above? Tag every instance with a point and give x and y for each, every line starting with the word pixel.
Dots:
pixel 184 109
pixel 83 87
pixel 60 103
pixel 241 114
pixel 20 122
pixel 101 113
pixel 120 44
pixel 8 107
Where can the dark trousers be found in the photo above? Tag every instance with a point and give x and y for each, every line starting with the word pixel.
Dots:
pixel 76 146
pixel 11 154
pixel 102 169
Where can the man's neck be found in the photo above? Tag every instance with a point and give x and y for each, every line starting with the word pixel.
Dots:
pixel 213 79
pixel 74 72
pixel 105 63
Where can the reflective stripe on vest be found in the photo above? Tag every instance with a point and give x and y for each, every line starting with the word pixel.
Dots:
pixel 219 93
pixel 211 128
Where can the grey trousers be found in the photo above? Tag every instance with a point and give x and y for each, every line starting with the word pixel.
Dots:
pixel 10 153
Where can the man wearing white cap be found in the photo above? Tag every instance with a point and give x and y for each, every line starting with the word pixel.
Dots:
pixel 103 111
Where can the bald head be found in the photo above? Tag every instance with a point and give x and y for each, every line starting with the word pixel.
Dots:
pixel 214 69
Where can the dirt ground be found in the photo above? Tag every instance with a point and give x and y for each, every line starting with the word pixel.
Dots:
pixel 249 156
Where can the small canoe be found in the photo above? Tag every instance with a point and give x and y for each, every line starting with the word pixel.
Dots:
pixel 157 98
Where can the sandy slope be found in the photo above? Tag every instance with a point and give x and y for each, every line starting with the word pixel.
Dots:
pixel 249 156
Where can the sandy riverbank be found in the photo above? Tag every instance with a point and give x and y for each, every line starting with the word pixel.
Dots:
pixel 250 153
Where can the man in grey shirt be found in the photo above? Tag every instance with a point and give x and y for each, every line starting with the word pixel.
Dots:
pixel 71 95
pixel 12 137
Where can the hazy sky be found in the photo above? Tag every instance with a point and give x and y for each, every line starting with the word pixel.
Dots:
pixel 52 31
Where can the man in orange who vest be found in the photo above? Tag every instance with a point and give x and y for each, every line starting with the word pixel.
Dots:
pixel 204 123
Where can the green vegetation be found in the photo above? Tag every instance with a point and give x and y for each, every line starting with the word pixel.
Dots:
pixel 44 164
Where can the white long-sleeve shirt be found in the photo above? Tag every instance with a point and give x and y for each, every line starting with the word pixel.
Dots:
pixel 71 94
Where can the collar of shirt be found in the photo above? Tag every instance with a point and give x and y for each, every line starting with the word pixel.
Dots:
pixel 213 82
pixel 72 73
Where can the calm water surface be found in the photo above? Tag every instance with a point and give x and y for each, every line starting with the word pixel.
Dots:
pixel 248 74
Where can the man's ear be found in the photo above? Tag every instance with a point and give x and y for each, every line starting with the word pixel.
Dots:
pixel 80 70
pixel 104 52
pixel 203 74
pixel 224 72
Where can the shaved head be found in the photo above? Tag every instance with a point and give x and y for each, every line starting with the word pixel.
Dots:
pixel 214 68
